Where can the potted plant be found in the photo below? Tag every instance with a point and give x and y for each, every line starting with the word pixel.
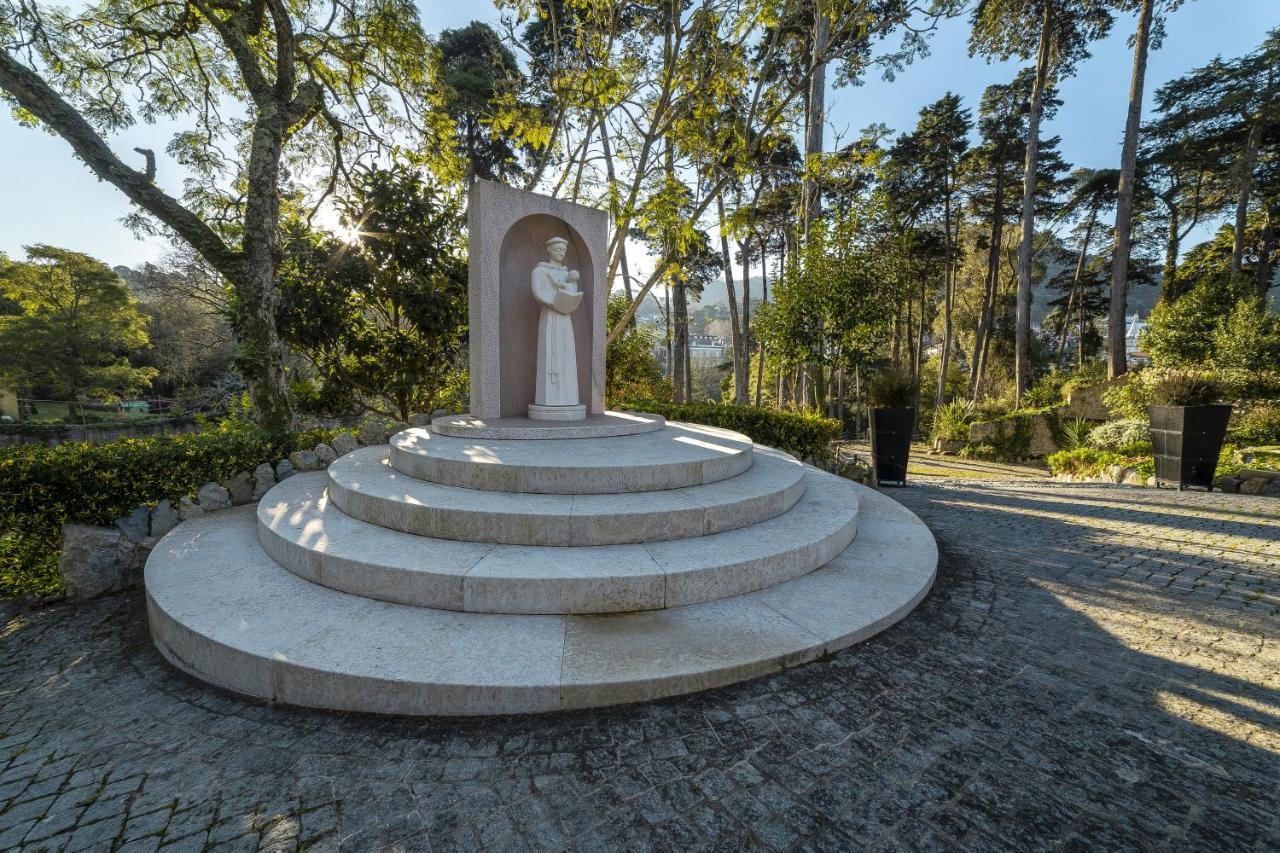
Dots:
pixel 893 421
pixel 1188 426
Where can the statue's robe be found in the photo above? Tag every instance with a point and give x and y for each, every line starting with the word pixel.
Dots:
pixel 557 377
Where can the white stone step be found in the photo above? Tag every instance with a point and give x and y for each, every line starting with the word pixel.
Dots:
pixel 363 485
pixel 224 611
pixel 592 426
pixel 676 456
pixel 307 534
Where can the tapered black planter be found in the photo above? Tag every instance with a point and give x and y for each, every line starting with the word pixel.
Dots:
pixel 1186 441
pixel 891 431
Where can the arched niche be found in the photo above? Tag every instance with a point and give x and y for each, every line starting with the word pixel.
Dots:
pixel 523 247
pixel 507 234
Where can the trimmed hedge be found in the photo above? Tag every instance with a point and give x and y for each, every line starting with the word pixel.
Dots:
pixel 803 435
pixel 43 487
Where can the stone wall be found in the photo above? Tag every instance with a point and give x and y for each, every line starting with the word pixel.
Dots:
pixel 94 433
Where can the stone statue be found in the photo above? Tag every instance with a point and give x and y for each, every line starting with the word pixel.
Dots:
pixel 555 287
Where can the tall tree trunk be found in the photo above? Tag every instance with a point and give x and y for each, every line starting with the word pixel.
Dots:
pixel 764 298
pixel 680 322
pixel 1172 241
pixel 815 117
pixel 607 149
pixel 1022 357
pixel 919 353
pixel 1265 270
pixel 744 380
pixel 1077 288
pixel 740 353
pixel 944 362
pixel 987 316
pixel 1116 357
pixel 1244 182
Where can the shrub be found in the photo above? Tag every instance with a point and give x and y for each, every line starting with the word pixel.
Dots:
pixel 1091 373
pixel 1046 392
pixel 1074 434
pixel 1114 435
pixel 1090 462
pixel 803 435
pixel 892 388
pixel 951 421
pixel 1257 425
pixel 1184 388
pixel 43 487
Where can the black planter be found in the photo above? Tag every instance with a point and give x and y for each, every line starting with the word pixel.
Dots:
pixel 1186 441
pixel 891 431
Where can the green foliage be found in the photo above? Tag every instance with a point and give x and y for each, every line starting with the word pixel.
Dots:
pixel 951 421
pixel 1091 462
pixel 1011 442
pixel 892 388
pixel 1074 434
pixel 1087 375
pixel 1115 435
pixel 1257 425
pixel 42 487
pixel 801 434
pixel 76 324
pixel 479 73
pixel 381 321
pixel 1184 388
pixel 631 371
pixel 1046 392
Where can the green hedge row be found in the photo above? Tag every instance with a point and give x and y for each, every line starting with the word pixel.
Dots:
pixel 800 434
pixel 43 487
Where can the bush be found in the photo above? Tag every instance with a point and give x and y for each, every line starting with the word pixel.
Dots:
pixel 1046 392
pixel 1184 388
pixel 1090 462
pixel 892 388
pixel 1257 425
pixel 1074 434
pixel 801 434
pixel 1114 435
pixel 951 421
pixel 41 487
pixel 1091 373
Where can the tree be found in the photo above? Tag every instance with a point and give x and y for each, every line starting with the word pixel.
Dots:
pixel 263 85
pixel 1058 31
pixel 380 321
pixel 77 325
pixel 1094 189
pixel 631 371
pixel 479 74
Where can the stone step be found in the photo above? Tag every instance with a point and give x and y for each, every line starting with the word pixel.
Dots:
pixel 676 456
pixel 307 534
pixel 224 611
pixel 362 484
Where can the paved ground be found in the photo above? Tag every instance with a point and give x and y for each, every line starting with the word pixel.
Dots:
pixel 926 466
pixel 1098 667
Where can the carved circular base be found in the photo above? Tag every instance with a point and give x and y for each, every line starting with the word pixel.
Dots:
pixel 592 426
pixel 557 413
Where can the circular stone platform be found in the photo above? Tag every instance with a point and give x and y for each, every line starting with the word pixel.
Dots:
pixel 593 426
pixel 673 457
pixel 224 611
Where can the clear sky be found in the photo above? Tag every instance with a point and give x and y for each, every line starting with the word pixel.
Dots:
pixel 48 196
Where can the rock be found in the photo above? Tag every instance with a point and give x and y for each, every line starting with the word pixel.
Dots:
pixel 264 477
pixel 1087 402
pixel 188 508
pixel 1254 486
pixel 325 454
pixel 240 487
pixel 163 518
pixel 343 443
pixel 1228 484
pixel 213 497
pixel 1130 477
pixel 373 431
pixel 1152 483
pixel 438 413
pixel 1273 488
pixel 304 460
pixel 1113 473
pixel 419 419
pixel 97 560
pixel 396 426
pixel 284 470
pixel 136 525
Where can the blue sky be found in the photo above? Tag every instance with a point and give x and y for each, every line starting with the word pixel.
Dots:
pixel 50 197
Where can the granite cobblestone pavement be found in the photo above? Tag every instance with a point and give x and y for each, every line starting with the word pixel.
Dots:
pixel 1097 668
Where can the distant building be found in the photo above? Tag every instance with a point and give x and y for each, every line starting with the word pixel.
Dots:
pixel 707 349
pixel 1135 329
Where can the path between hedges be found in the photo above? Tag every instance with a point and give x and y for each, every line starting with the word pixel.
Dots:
pixel 926 466
pixel 1097 667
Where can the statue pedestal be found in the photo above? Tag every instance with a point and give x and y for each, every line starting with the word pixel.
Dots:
pixel 557 413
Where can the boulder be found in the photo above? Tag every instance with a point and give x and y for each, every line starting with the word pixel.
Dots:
pixel 372 432
pixel 1087 402
pixel 284 470
pixel 1273 488
pixel 213 497
pixel 1042 443
pixel 1228 484
pixel 343 443
pixel 240 487
pixel 419 419
pixel 304 460
pixel 325 454
pixel 188 508
pixel 264 477
pixel 1254 485
pixel 163 518
pixel 438 413
pixel 396 426
pixel 96 560
pixel 136 525
pixel 1131 477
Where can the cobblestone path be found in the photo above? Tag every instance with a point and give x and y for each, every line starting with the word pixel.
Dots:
pixel 1097 667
